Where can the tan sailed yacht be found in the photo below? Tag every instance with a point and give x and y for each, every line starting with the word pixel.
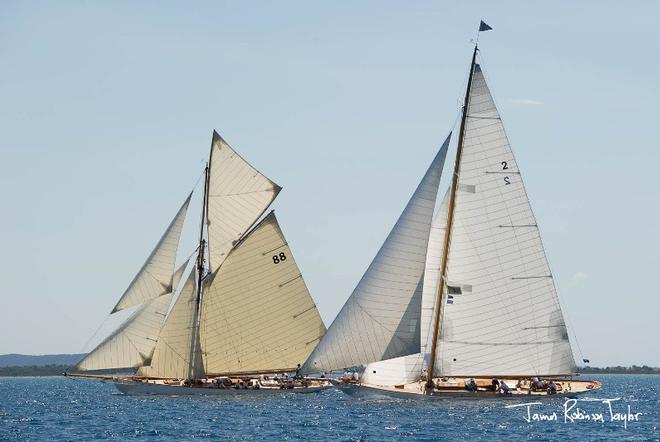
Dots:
pixel 235 318
pixel 463 303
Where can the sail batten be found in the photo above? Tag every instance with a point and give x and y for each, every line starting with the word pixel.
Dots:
pixel 155 278
pixel 380 320
pixel 510 320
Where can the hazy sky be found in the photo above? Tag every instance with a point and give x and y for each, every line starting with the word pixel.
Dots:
pixel 106 113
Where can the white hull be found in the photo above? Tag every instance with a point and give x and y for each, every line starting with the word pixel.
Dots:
pixel 418 390
pixel 134 388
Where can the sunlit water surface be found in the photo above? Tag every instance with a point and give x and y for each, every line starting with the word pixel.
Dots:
pixel 76 409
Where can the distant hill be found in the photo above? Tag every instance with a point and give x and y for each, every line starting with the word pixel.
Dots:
pixel 16 360
pixel 635 369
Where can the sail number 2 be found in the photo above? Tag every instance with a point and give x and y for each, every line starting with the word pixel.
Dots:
pixel 505 166
pixel 279 258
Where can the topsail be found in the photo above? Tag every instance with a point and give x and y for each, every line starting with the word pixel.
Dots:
pixel 238 195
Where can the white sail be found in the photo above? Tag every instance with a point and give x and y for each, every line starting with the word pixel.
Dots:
pixel 177 353
pixel 432 275
pixel 380 320
pixel 501 314
pixel 238 195
pixel 132 344
pixel 257 314
pixel 155 277
pixel 396 371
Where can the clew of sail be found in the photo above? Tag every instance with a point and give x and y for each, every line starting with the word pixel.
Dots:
pixel 177 353
pixel 380 320
pixel 132 344
pixel 500 311
pixel 238 195
pixel 257 313
pixel 155 277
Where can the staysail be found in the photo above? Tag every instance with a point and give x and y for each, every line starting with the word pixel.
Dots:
pixel 500 311
pixel 432 275
pixel 238 195
pixel 257 314
pixel 132 344
pixel 155 277
pixel 380 320
pixel 177 353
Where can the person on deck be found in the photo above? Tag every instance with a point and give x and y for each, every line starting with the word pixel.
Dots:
pixel 504 387
pixel 471 385
pixel 496 385
pixel 552 388
pixel 297 376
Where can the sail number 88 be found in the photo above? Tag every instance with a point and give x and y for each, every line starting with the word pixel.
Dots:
pixel 279 258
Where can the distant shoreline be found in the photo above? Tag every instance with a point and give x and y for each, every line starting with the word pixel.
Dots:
pixel 58 369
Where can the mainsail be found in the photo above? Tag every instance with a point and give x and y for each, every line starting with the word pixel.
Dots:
pixel 238 195
pixel 155 277
pixel 257 314
pixel 500 311
pixel 380 320
pixel 177 353
pixel 132 344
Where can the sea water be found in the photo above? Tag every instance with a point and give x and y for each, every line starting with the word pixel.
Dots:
pixel 83 409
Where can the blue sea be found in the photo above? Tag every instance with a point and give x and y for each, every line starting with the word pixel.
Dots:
pixel 80 409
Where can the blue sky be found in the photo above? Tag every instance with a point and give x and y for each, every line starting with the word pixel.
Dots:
pixel 106 113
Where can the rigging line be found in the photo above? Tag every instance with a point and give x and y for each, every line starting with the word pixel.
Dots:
pixel 82 350
pixel 240 193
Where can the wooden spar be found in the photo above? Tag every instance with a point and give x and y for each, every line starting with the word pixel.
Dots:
pixel 265 371
pixel 93 376
pixel 450 221
pixel 200 269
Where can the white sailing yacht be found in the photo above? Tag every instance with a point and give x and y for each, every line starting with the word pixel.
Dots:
pixel 463 303
pixel 243 317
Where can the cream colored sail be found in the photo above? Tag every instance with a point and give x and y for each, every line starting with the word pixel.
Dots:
pixel 155 277
pixel 132 344
pixel 501 314
pixel 178 274
pixel 238 195
pixel 177 353
pixel 257 313
pixel 380 320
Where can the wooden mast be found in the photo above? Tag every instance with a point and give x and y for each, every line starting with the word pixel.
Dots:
pixel 201 269
pixel 450 221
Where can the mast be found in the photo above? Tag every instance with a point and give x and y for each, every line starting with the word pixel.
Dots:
pixel 450 220
pixel 201 270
